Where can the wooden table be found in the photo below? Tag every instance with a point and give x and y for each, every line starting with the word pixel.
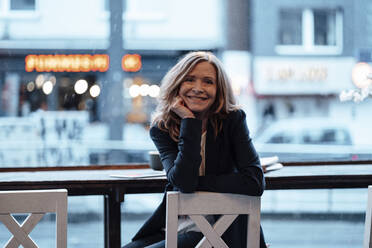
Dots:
pixel 97 181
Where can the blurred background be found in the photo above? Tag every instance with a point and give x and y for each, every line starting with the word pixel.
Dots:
pixel 79 80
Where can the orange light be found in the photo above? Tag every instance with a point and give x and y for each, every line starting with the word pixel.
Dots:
pixel 131 62
pixel 67 63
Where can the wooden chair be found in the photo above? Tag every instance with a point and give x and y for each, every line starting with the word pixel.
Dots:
pixel 197 204
pixel 36 203
pixel 368 222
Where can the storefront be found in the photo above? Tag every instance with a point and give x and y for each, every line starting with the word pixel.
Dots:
pixel 299 86
pixel 71 80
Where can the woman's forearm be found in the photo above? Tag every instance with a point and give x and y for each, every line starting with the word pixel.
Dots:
pixel 237 183
pixel 181 163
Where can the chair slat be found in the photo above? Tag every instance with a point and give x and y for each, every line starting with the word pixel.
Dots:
pixel 19 234
pixel 213 238
pixel 368 221
pixel 201 202
pixel 29 223
pixel 220 227
pixel 42 201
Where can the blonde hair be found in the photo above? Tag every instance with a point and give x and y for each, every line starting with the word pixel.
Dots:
pixel 224 103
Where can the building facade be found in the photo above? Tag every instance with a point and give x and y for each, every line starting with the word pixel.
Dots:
pixel 303 54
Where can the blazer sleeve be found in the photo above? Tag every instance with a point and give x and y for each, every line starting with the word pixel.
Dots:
pixel 248 177
pixel 180 160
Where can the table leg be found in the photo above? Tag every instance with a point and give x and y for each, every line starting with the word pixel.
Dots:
pixel 112 218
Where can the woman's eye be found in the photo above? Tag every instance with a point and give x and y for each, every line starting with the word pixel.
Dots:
pixel 188 79
pixel 209 81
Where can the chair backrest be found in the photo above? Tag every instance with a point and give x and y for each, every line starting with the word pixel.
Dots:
pixel 35 203
pixel 197 204
pixel 368 222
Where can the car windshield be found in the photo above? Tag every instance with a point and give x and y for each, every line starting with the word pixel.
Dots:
pixel 327 137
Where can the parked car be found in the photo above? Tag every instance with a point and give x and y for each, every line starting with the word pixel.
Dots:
pixel 301 139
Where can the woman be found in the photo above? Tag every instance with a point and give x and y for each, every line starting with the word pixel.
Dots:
pixel 204 145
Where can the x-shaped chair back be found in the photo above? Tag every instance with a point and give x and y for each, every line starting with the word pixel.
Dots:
pixel 35 203
pixel 198 204
pixel 368 221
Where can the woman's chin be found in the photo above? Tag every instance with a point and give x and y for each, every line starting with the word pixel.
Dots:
pixel 198 113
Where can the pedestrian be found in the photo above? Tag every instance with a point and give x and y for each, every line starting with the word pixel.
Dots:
pixel 204 145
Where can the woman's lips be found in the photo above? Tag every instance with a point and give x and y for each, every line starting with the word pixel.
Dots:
pixel 197 98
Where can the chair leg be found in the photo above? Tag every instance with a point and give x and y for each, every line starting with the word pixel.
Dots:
pixel 253 235
pixel 61 221
pixel 171 221
pixel 368 221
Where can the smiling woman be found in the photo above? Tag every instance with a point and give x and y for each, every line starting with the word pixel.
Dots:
pixel 204 145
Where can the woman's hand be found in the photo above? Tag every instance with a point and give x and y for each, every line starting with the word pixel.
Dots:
pixel 178 107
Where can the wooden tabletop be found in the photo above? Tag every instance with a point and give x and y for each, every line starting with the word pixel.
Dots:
pixel 82 182
pixel 320 176
pixel 88 182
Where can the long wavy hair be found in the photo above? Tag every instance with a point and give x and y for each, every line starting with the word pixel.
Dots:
pixel 225 102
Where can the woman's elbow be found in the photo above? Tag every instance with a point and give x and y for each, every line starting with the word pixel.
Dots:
pixel 260 184
pixel 254 191
pixel 261 187
pixel 260 191
pixel 257 188
pixel 187 190
pixel 185 186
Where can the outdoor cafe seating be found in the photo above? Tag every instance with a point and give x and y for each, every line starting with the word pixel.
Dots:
pixel 99 181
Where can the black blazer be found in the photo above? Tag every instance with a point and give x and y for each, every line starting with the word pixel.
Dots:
pixel 232 165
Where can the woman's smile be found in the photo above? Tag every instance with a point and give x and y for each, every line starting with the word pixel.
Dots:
pixel 198 98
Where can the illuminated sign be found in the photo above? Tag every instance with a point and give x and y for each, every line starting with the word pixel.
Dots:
pixel 308 74
pixel 131 62
pixel 67 63
pixel 301 75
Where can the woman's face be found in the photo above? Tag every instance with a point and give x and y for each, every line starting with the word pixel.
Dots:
pixel 199 87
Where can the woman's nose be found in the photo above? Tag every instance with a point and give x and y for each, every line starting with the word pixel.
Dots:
pixel 197 87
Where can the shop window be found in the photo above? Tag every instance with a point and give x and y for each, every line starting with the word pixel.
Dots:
pixel 310 31
pixel 324 28
pixel 22 5
pixel 18 9
pixel 290 27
